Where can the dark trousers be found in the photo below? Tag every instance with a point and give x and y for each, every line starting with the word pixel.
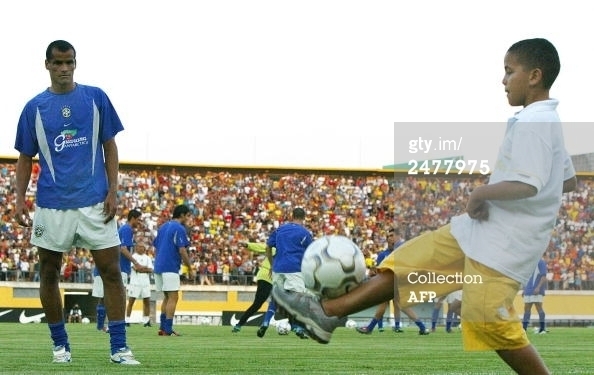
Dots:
pixel 263 290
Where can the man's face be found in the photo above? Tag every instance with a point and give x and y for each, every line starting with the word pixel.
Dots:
pixel 61 68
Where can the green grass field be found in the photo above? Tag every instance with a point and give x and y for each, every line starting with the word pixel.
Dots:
pixel 26 349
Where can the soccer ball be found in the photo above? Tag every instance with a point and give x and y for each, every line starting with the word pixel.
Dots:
pixel 332 266
pixel 283 327
pixel 351 324
pixel 85 320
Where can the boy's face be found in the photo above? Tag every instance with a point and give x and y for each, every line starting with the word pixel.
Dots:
pixel 516 81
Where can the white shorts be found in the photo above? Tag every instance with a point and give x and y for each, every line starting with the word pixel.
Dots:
pixel 533 298
pixel 98 291
pixel 290 281
pixel 60 230
pixel 139 291
pixel 454 296
pixel 97 287
pixel 167 282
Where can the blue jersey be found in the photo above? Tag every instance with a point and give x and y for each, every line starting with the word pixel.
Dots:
pixel 539 273
pixel 67 131
pixel 171 236
pixel 290 241
pixel 384 253
pixel 126 234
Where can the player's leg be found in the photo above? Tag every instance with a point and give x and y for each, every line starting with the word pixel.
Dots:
pixel 131 301
pixel 108 262
pixel 491 322
pixel 524 361
pixel 50 263
pixel 526 318
pixel 415 318
pixel 437 304
pixel 262 293
pixel 541 317
pixel 267 317
pixel 436 251
pixel 171 286
pixel 146 312
pixel 396 307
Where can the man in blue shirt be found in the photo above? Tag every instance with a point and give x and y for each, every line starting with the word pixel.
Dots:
pixel 72 127
pixel 290 239
pixel 533 295
pixel 171 249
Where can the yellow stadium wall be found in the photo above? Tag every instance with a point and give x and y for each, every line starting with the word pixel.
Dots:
pixel 212 300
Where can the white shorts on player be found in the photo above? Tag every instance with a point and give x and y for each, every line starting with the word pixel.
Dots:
pixel 98 291
pixel 290 281
pixel 167 282
pixel 60 230
pixel 533 298
pixel 139 291
pixel 454 296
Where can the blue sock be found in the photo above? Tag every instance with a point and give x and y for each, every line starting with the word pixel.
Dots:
pixel 420 325
pixel 380 324
pixel 59 335
pixel 269 313
pixel 541 319
pixel 117 335
pixel 100 316
pixel 434 317
pixel 169 325
pixel 162 318
pixel 526 320
pixel 371 325
pixel 449 319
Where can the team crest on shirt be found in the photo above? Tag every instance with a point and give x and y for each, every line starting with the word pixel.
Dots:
pixel 38 230
pixel 66 112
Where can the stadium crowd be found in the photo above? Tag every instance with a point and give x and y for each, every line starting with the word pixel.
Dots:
pixel 230 208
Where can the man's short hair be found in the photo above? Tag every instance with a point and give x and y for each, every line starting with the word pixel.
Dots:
pixel 299 213
pixel 180 210
pixel 538 53
pixel 60 45
pixel 134 214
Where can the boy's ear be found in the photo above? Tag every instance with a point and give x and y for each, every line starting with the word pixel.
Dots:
pixel 535 77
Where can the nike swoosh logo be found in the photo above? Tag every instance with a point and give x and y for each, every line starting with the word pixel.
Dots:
pixel 65 125
pixel 5 312
pixel 234 320
pixel 30 319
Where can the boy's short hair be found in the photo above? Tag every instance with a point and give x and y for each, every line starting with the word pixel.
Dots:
pixel 538 53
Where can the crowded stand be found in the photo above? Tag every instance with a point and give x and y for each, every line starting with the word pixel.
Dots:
pixel 232 207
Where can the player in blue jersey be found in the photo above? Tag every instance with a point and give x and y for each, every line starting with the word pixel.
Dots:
pixel 171 248
pixel 72 127
pixel 533 294
pixel 126 235
pixel 290 240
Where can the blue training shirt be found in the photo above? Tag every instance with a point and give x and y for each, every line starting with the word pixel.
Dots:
pixel 126 234
pixel 171 236
pixel 539 273
pixel 67 131
pixel 384 253
pixel 290 241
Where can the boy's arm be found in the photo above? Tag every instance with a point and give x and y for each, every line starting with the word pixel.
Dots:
pixel 503 191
